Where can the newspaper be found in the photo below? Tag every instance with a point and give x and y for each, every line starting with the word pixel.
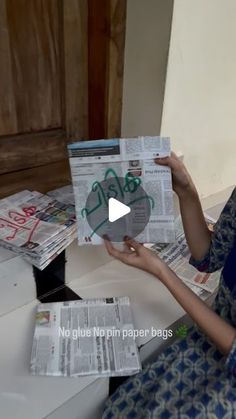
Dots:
pixel 64 194
pixel 36 226
pixel 85 337
pixel 177 256
pixel 94 161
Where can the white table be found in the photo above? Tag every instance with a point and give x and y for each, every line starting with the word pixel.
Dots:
pixel 23 396
pixel 90 273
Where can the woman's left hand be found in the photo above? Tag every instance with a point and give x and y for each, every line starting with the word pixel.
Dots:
pixel 138 256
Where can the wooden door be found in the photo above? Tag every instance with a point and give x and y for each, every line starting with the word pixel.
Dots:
pixel 49 88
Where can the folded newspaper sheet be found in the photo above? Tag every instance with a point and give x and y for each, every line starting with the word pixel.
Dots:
pixel 36 226
pixel 177 256
pixel 95 161
pixel 85 337
pixel 64 194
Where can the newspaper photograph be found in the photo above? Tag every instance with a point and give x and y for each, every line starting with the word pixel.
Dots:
pixel 94 161
pixel 85 337
pixel 177 257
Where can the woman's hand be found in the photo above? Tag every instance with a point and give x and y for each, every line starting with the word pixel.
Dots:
pixel 138 256
pixel 197 234
pixel 182 181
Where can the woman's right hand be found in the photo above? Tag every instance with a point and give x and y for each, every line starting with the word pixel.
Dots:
pixel 182 181
pixel 138 256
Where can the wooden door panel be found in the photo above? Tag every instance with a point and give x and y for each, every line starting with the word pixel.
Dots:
pixel 8 121
pixel 30 66
pixel 61 79
pixel 75 27
pixel 115 67
pixel 31 150
pixel 106 42
pixel 42 178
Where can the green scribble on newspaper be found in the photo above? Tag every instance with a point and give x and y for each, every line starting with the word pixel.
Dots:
pixel 114 190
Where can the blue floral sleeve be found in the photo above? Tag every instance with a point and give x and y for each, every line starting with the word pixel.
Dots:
pixel 222 239
pixel 231 360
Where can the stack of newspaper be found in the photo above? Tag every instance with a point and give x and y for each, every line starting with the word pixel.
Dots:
pixel 177 256
pixel 36 226
pixel 64 194
pixel 85 337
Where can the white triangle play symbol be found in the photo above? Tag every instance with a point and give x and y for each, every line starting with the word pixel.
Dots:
pixel 116 209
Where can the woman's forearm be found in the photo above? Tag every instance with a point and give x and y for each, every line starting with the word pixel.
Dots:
pixel 197 234
pixel 217 329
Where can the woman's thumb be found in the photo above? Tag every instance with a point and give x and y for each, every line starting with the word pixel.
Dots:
pixel 164 161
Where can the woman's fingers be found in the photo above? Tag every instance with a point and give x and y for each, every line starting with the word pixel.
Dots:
pixel 117 254
pixel 110 248
pixel 165 161
pixel 171 161
pixel 127 248
pixel 131 243
pixel 174 155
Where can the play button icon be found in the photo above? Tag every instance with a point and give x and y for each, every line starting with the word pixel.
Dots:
pixel 117 207
pixel 116 210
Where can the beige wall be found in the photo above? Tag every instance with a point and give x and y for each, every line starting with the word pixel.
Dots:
pixel 147 43
pixel 199 111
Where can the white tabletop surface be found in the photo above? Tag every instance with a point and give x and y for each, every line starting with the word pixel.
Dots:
pixel 17 283
pixel 152 304
pixel 23 396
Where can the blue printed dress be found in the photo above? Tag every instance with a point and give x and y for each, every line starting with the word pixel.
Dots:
pixel 191 378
